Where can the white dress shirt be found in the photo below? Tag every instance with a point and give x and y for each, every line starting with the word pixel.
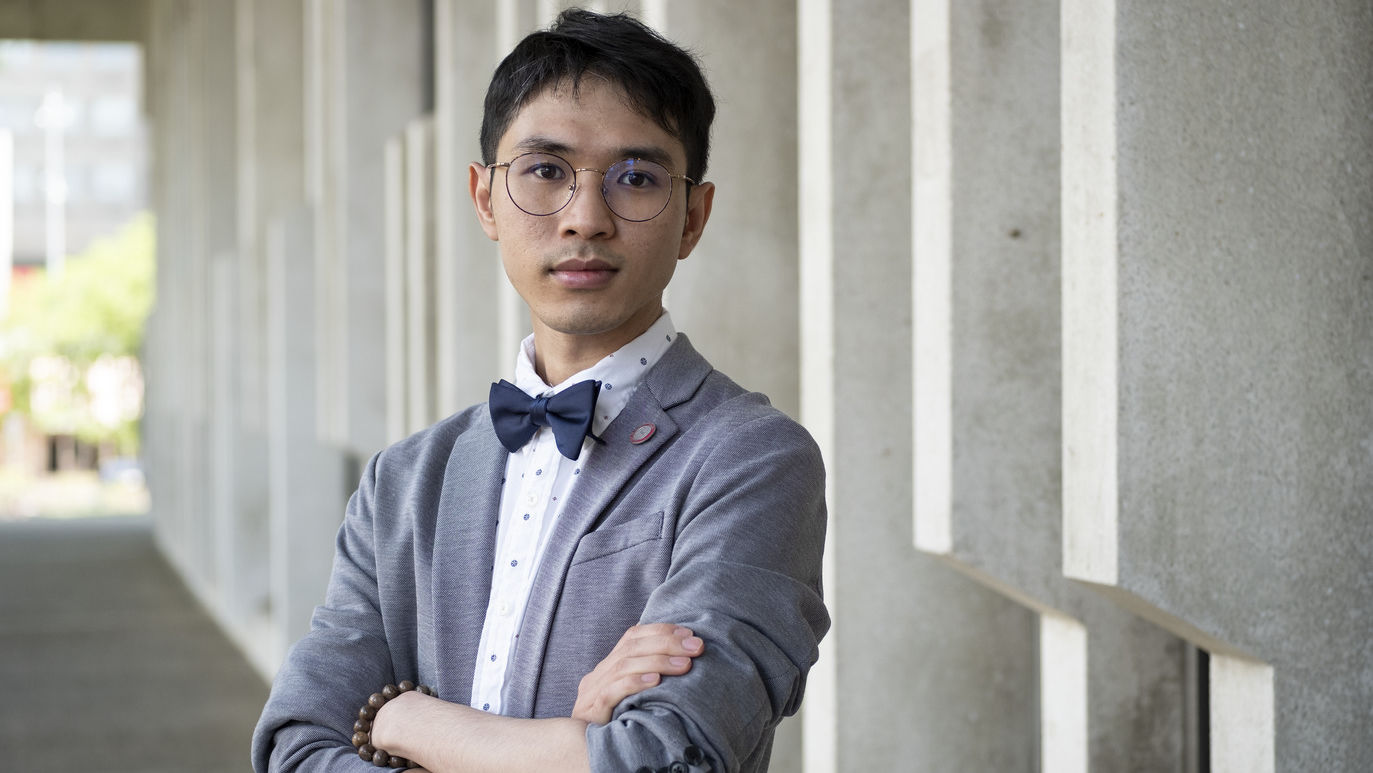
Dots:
pixel 538 480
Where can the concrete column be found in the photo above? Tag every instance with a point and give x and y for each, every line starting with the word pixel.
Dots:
pixel 468 269
pixel 308 490
pixel 250 376
pixel 736 296
pixel 420 292
pixel 1218 180
pixel 164 381
pixel 234 470
pixel 410 271
pixel 221 520
pixel 270 66
pixel 815 251
pixel 162 420
pixel 987 374
pixel 367 76
pixel 271 176
pixel 394 325
pixel 382 93
pixel 178 467
pixel 966 696
pixel 217 97
pixel 324 159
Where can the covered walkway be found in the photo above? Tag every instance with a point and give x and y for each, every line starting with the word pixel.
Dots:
pixel 107 661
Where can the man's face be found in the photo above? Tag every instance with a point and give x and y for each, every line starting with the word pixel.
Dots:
pixel 584 271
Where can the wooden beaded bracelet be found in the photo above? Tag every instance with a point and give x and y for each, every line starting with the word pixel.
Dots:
pixel 362 728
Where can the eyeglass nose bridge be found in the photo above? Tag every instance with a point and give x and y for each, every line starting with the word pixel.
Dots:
pixel 572 189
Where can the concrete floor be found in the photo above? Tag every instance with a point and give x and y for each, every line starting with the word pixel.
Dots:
pixel 106 661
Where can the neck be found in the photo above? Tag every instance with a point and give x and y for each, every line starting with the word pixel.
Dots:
pixel 557 355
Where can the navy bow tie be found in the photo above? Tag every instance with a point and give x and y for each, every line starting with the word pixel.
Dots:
pixel 517 416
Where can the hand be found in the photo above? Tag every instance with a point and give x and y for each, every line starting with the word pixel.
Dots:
pixel 394 717
pixel 639 661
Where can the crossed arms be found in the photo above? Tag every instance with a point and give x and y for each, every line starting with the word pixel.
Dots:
pixel 737 565
pixel 439 735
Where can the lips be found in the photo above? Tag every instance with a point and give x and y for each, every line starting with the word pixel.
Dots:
pixel 583 273
pixel 584 264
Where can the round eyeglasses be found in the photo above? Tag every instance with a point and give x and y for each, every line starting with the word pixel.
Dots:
pixel 634 189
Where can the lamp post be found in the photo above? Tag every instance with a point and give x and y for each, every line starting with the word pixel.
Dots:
pixel 52 117
pixel 6 218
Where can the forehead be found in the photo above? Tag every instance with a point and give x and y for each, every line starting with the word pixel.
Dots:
pixel 592 121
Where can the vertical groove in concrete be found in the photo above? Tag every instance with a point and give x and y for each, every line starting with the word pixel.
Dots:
pixel 117 666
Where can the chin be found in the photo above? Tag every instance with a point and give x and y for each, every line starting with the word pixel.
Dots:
pixel 580 323
pixel 586 327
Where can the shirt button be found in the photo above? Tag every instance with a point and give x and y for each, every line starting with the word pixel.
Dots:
pixel 503 608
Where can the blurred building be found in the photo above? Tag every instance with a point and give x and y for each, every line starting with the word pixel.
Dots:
pixel 93 91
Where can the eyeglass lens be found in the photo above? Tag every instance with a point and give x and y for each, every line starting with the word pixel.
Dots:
pixel 634 189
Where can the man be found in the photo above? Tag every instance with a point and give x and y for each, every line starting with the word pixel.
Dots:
pixel 630 587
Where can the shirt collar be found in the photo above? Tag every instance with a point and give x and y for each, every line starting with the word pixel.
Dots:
pixel 619 372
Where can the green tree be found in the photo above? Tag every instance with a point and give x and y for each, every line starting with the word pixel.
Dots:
pixel 70 342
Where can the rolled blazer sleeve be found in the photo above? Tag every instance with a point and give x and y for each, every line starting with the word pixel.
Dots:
pixel 745 577
pixel 307 722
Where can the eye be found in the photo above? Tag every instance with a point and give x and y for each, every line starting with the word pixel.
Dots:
pixel 546 170
pixel 638 175
pixel 541 168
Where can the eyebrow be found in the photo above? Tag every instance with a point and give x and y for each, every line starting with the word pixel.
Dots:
pixel 541 144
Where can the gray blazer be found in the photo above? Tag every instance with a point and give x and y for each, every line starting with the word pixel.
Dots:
pixel 717 522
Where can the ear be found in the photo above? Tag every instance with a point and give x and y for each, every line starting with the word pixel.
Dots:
pixel 698 212
pixel 479 185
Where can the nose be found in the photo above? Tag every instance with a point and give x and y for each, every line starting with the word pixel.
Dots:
pixel 587 214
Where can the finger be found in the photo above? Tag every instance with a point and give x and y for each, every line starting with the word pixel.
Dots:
pixel 639 674
pixel 654 630
pixel 598 696
pixel 633 638
pixel 671 665
pixel 630 684
pixel 680 642
pixel 620 676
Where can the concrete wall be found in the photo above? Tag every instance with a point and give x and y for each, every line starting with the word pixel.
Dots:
pixel 1237 179
pixel 987 382
pixel 1077 298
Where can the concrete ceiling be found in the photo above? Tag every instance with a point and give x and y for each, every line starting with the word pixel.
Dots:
pixel 87 20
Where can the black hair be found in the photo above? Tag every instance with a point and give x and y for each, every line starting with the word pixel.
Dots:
pixel 660 80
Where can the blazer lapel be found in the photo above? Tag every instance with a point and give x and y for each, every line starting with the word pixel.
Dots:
pixel 464 552
pixel 611 467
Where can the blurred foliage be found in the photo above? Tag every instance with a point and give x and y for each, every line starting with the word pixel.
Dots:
pixel 69 344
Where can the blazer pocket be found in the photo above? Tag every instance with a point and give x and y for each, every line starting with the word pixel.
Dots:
pixel 608 541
